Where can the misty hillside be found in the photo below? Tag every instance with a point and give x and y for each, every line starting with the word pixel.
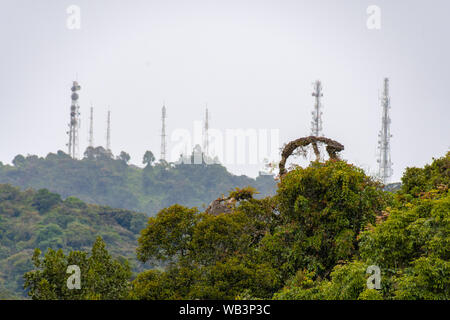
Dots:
pixel 41 219
pixel 102 179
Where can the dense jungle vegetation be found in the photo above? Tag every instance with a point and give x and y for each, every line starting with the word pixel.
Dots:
pixel 41 219
pixel 102 179
pixel 314 239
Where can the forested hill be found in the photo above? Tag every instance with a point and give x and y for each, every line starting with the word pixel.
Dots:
pixel 41 219
pixel 102 179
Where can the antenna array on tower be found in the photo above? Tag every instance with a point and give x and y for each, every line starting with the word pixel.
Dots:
pixel 205 133
pixel 384 160
pixel 163 133
pixel 91 128
pixel 316 123
pixel 74 121
pixel 384 137
pixel 108 132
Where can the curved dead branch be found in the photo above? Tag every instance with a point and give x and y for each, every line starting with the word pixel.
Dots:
pixel 333 147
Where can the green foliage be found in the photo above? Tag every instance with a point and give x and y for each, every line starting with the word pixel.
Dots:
pixel 208 255
pixel 346 282
pixel 229 278
pixel 217 237
pixel 74 203
pixel 168 234
pixel 44 200
pixel 300 287
pixel 418 180
pixel 310 225
pixel 412 246
pixel 314 239
pixel 148 159
pixel 370 294
pixel 323 208
pixel 101 179
pixel 407 234
pixel 243 194
pixel 409 242
pixel 125 157
pixel 69 225
pixel 428 278
pixel 101 276
pixel 18 160
pixel 151 285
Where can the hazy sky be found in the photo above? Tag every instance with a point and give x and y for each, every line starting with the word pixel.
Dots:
pixel 253 62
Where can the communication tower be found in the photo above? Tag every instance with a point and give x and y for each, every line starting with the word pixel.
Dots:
pixel 74 124
pixel 385 170
pixel 163 133
pixel 91 128
pixel 108 132
pixel 316 122
pixel 206 134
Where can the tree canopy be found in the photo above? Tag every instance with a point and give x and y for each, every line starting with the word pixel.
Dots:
pixel 40 219
pixel 102 179
pixel 314 239
pixel 101 276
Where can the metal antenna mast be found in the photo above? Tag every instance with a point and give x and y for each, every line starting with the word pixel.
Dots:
pixel 91 128
pixel 108 132
pixel 205 133
pixel 316 122
pixel 163 133
pixel 74 121
pixel 385 165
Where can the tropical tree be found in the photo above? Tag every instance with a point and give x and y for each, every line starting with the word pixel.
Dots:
pixel 148 159
pixel 323 208
pixel 101 276
pixel 125 157
pixel 45 200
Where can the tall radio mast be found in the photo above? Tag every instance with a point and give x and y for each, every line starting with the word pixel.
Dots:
pixel 91 128
pixel 316 123
pixel 206 136
pixel 108 132
pixel 384 137
pixel 74 121
pixel 163 133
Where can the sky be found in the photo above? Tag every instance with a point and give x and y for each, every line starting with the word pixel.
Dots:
pixel 252 62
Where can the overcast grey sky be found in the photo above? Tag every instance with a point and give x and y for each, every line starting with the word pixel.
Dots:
pixel 253 62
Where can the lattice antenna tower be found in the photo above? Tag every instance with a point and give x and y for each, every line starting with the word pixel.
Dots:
pixel 74 123
pixel 91 128
pixel 206 133
pixel 163 132
pixel 385 170
pixel 108 132
pixel 316 123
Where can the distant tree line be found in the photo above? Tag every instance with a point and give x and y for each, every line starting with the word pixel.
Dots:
pixel 102 179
